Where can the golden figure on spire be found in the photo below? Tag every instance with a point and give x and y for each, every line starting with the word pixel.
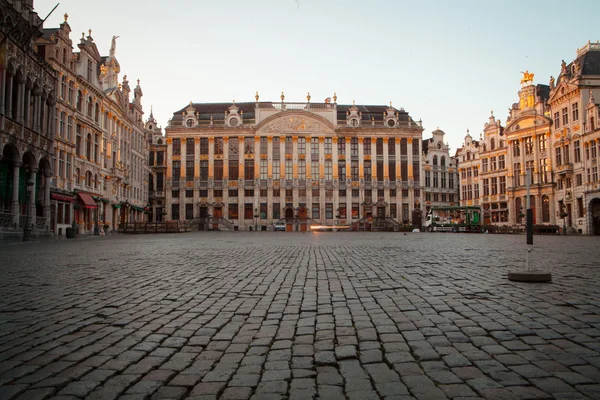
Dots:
pixel 527 78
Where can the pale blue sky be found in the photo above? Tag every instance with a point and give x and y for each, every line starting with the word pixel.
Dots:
pixel 447 63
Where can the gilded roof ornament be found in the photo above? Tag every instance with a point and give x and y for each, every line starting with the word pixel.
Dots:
pixel 282 96
pixel 66 17
pixel 334 97
pixel 308 97
pixel 256 96
pixel 527 78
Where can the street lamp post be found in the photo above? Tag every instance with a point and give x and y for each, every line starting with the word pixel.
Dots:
pixel 256 219
pixel 563 215
pixel 26 225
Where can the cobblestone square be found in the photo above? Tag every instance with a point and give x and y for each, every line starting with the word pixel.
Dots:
pixel 268 315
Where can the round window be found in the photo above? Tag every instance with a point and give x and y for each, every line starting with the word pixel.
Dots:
pixel 391 123
pixel 189 122
pixel 233 121
pixel 354 122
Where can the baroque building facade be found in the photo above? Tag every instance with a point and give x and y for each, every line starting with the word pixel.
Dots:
pixel 576 141
pixel 100 150
pixel 158 171
pixel 440 178
pixel 248 165
pixel 27 100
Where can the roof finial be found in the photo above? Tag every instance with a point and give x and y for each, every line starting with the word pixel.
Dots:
pixel 492 112
pixel 390 103
pixel 234 102
pixel 256 96
pixel 282 96
pixel 66 17
pixel 90 32
pixel 308 97
pixel 353 103
pixel 151 111
pixel 138 81
pixel 334 97
pixel 191 103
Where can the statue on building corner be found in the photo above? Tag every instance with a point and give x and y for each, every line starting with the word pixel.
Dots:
pixel 563 68
pixel 113 46
pixel 551 82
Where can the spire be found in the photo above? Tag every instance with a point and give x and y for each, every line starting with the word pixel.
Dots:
pixel 151 114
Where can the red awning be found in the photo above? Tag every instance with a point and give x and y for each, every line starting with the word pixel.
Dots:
pixel 87 200
pixel 61 197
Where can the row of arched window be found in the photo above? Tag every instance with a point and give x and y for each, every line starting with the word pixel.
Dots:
pixel 88 180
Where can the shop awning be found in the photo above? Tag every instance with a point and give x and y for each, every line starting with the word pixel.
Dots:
pixel 137 208
pixel 118 205
pixel 61 197
pixel 87 200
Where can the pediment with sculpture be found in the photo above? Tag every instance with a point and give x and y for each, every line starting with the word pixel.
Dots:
pixel 295 122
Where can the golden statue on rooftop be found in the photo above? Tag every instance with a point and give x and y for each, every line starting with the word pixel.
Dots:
pixel 527 77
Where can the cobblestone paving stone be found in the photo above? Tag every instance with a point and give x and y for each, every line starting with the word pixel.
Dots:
pixel 298 316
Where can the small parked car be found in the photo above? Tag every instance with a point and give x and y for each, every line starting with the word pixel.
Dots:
pixel 279 226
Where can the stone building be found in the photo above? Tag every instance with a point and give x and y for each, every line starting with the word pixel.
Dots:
pixel 576 141
pixel 247 165
pixel 528 136
pixel 158 171
pixel 440 177
pixel 468 170
pixel 27 101
pixel 100 149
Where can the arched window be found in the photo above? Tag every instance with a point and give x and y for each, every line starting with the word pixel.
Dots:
pixel 435 160
pixel 483 147
pixel 443 162
pixel 545 209
pixel 97 113
pixel 64 56
pixel 492 144
pixel 63 87
pixel 501 144
pixel 89 106
pixel 96 181
pixel 88 147
pixel 88 179
pixel 592 124
pixel 77 175
pixel 468 156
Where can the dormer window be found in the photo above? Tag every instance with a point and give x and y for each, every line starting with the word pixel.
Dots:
pixel 391 123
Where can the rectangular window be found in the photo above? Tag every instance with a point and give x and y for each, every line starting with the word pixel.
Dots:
pixel 544 175
pixel 176 170
pixel 204 146
pixel 176 147
pixel 367 146
pixel 328 145
pixel 342 170
pixel 529 145
pixel 276 192
pixel 484 165
pixel 314 146
pixel 556 120
pixel 380 170
pixel 218 192
pixel 315 211
pixel 264 145
pixel 289 145
pixel 516 149
pixel 354 170
pixel 174 211
pixel 218 146
pixel 435 179
pixel 575 109
pixel 233 211
pixel 579 179
pixel 301 145
pixel 558 156
pixel 486 187
pixel 248 211
pixel 517 174
pixel 314 170
pixel 493 164
pixel 289 169
pixel 416 171
pixel 189 171
pixel 276 210
pixel 248 192
pixel 204 170
pixel 494 186
pixel 565 116
pixel 354 146
pixel 189 147
pixel 328 170
pixel 276 169
pixel 234 169
pixel 263 211
pixel 218 170
pixel 580 207
pixel 355 210
pixel 248 169
pixel 392 170
pixel 542 142
pixel 577 151
pixel 367 168
pixel 451 181
pixel 391 146
pixel 415 147
pixel 276 148
pixel 593 150
pixel 341 145
pixel 264 168
pixel 379 146
pixel 329 211
pixel 502 185
pixel 189 194
pixel 501 162
pixel 315 193
pixel 443 175
pixel 342 212
pixel 302 169
pixel 249 145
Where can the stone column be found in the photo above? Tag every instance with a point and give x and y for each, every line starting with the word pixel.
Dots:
pixel 48 183
pixel 20 100
pixel 31 198
pixel 2 90
pixel 28 115
pixel 8 91
pixel 14 205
